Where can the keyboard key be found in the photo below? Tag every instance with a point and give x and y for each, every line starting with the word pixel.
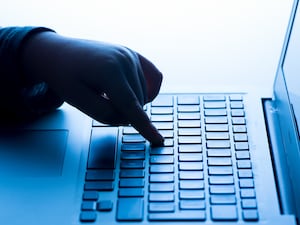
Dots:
pixel 186 215
pixel 133 147
pixel 167 133
pixel 100 175
pixel 214 98
pixel 190 157
pixel 161 178
pixel 166 168
pixel 190 166
pixel 158 207
pixel 216 120
pixel 240 137
pixel 133 155
pixel 238 121
pixel 189 140
pixel 216 128
pixel 129 130
pixel 237 113
pixel 130 209
pixel 161 187
pixel 163 101
pixel 241 146
pixel 131 182
pixel 190 148
pixel 244 164
pixel 88 216
pixel 246 183
pixel 131 192
pixel 88 206
pixel 188 100
pixel 217 136
pixel 218 144
pixel 242 155
pixel 189 124
pixel 161 110
pixel 188 108
pixel 161 197
pixel 191 194
pixel 249 203
pixel 102 153
pixel 189 132
pixel 162 118
pixel 133 138
pixel 90 196
pixel 161 159
pixel 192 204
pixel 191 185
pixel 164 125
pixel 105 205
pixel 218 153
pixel 214 105
pixel 215 112
pixel 132 173
pixel 99 186
pixel 220 170
pixel 162 151
pixel 168 142
pixel 245 173
pixel 132 164
pixel 247 193
pixel 236 105
pixel 221 189
pixel 188 116
pixel 191 175
pixel 221 180
pixel 219 161
pixel 223 199
pixel 224 213
pixel 239 129
pixel 250 215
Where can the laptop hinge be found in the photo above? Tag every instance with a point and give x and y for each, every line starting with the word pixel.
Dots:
pixel 281 172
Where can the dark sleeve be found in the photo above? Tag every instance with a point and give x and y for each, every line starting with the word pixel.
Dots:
pixel 19 99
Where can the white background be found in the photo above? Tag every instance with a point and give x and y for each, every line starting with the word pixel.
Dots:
pixel 224 42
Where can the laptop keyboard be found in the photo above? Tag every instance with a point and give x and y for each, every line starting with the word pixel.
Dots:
pixel 203 172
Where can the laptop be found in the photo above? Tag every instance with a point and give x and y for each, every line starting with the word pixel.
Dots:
pixel 227 158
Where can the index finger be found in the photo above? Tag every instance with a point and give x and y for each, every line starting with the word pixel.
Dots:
pixel 124 100
pixel 141 122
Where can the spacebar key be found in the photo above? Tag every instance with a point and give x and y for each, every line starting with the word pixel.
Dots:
pixel 102 154
pixel 193 215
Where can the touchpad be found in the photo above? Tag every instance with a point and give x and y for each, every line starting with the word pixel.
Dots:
pixel 32 152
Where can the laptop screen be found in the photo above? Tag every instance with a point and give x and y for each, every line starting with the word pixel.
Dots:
pixel 287 103
pixel 291 68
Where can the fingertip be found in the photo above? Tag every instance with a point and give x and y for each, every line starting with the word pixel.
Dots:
pixel 145 127
pixel 154 137
pixel 158 141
